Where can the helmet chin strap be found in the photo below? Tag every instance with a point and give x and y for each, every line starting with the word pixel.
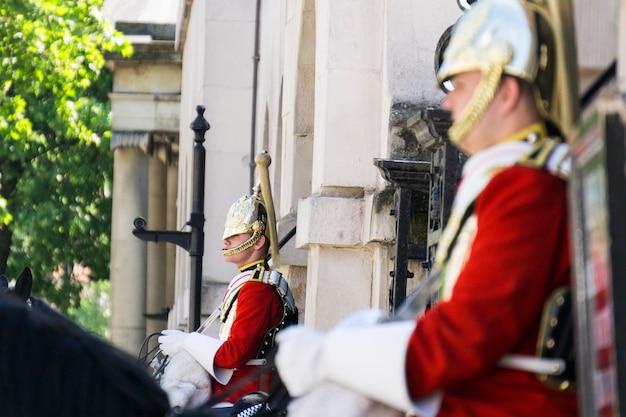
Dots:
pixel 475 109
pixel 258 228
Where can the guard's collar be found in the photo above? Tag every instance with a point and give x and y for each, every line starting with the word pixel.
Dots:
pixel 252 265
pixel 532 133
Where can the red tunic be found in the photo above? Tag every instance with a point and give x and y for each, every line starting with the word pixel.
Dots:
pixel 520 254
pixel 259 309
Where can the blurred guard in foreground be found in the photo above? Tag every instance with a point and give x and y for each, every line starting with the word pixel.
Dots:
pixel 488 347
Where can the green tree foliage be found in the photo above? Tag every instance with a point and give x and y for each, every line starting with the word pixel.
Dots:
pixel 94 309
pixel 55 163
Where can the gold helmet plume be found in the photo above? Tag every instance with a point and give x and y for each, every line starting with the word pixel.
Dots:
pixel 530 39
pixel 263 161
pixel 556 83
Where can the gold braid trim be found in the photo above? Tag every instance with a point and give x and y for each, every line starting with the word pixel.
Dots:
pixel 251 264
pixel 258 229
pixel 539 154
pixel 475 109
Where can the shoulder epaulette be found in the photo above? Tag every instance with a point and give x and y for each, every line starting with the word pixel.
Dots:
pixel 550 154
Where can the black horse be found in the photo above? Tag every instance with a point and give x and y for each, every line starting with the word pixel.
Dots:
pixel 50 367
pixel 79 373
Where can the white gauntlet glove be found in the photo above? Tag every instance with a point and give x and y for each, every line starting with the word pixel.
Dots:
pixel 364 357
pixel 300 348
pixel 202 348
pixel 298 357
pixel 170 341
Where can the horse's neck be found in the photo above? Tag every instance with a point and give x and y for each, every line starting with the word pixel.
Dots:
pixel 41 306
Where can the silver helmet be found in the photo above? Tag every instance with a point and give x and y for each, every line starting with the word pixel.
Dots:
pixel 530 39
pixel 246 215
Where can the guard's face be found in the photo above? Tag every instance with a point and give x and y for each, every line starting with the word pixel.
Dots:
pixel 234 241
pixel 457 100
pixel 464 85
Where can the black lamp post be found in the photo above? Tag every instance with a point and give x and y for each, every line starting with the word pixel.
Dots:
pixel 407 177
pixel 192 241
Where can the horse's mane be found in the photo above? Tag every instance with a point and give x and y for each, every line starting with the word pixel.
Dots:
pixel 43 307
pixel 50 367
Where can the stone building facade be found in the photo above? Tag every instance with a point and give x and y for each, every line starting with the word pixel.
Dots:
pixel 334 79
pixel 334 84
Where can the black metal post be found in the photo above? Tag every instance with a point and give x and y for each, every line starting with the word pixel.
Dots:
pixel 193 241
pixel 616 181
pixel 255 81
pixel 196 221
pixel 401 262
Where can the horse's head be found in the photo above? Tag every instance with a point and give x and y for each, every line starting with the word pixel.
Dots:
pixel 22 288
